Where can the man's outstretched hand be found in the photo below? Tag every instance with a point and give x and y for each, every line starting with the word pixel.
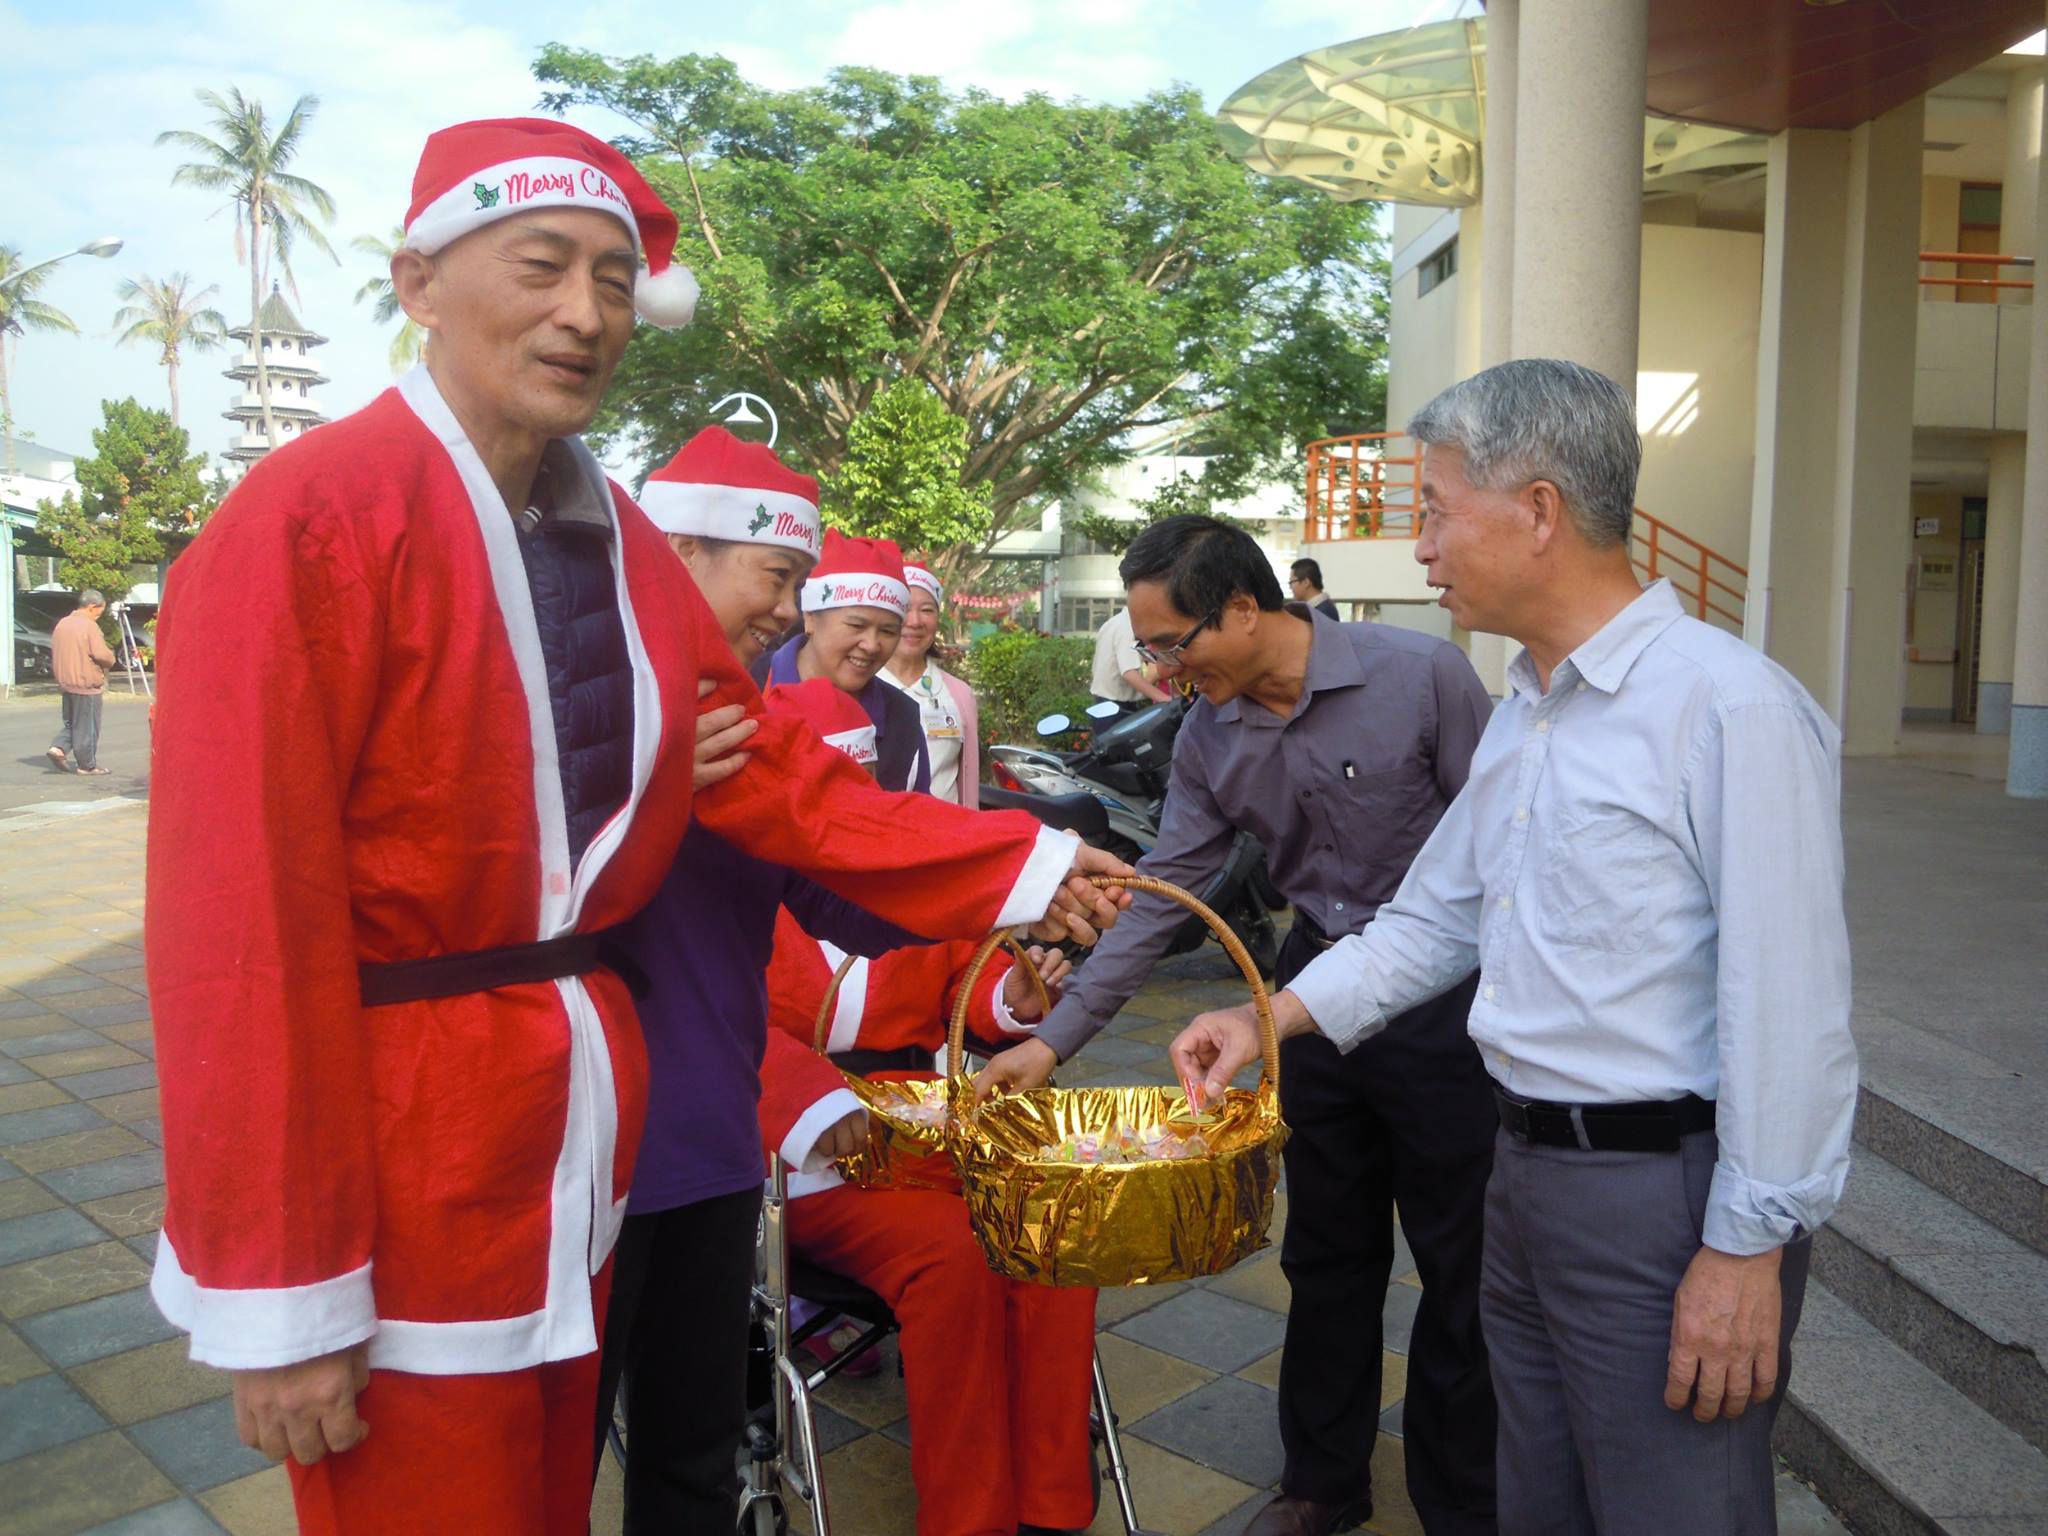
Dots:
pixel 1018 1070
pixel 1079 911
pixel 1217 1046
pixel 306 1409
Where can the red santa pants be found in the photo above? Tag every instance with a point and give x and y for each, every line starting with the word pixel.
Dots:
pixel 506 1453
pixel 997 1372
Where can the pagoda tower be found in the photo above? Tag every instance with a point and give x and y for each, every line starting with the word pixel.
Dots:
pixel 287 350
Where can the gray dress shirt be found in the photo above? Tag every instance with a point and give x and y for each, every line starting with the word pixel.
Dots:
pixel 1647 869
pixel 1342 794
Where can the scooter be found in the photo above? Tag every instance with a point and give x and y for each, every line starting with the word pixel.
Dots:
pixel 1123 767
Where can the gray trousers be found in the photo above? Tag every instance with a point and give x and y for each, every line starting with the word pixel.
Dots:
pixel 80 733
pixel 1584 1253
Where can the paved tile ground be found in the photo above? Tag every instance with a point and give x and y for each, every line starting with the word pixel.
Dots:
pixel 106 1427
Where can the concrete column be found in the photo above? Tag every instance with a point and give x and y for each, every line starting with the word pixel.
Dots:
pixel 1873 520
pixel 2017 236
pixel 2001 582
pixel 1798 361
pixel 7 678
pixel 2026 767
pixel 1495 288
pixel 1497 180
pixel 1580 72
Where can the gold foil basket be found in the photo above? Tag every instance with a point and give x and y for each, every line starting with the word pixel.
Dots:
pixel 1064 1222
pixel 906 1120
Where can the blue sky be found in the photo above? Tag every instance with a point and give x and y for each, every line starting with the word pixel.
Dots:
pixel 89 83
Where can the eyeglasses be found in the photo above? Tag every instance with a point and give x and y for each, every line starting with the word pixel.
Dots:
pixel 1172 655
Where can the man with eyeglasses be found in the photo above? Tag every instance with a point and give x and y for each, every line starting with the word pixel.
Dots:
pixel 1339 746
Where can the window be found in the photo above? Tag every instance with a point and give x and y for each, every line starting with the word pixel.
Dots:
pixel 1435 269
pixel 1074 542
pixel 1085 615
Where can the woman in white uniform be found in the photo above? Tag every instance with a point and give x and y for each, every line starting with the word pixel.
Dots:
pixel 952 722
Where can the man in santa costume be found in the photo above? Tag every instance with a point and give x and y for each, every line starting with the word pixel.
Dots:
pixel 997 1371
pixel 392 824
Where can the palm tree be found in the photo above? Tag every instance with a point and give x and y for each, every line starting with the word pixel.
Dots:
pixel 247 161
pixel 165 313
pixel 21 311
pixel 407 344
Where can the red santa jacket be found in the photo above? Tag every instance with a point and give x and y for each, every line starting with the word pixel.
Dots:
pixel 355 761
pixel 903 998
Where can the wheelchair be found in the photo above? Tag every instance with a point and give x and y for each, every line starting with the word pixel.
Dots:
pixel 781 1453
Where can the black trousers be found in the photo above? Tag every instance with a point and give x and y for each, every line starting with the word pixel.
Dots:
pixel 677 1331
pixel 1407 1119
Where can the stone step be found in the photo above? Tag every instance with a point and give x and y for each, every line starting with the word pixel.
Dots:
pixel 1959 1121
pixel 1964 1298
pixel 1894 1448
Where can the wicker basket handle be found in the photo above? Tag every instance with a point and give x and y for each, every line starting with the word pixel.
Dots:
pixel 1269 1040
pixel 821 1030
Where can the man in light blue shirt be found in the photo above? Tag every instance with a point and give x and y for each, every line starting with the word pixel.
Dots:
pixel 1646 867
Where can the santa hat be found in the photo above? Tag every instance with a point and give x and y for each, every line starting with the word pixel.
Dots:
pixel 475 173
pixel 832 712
pixel 920 575
pixel 721 488
pixel 858 573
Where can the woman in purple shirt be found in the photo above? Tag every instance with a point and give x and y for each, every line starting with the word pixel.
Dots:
pixel 677 1324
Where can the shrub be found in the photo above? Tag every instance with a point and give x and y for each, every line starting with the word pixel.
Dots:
pixel 1020 676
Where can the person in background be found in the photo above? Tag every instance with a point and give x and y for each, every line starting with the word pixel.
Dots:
pixel 81 661
pixel 1121 674
pixel 853 609
pixel 1305 581
pixel 996 1371
pixel 1647 869
pixel 952 722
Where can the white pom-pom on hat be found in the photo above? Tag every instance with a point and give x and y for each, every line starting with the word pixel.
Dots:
pixel 667 298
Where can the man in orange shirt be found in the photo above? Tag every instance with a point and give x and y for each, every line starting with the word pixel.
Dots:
pixel 81 660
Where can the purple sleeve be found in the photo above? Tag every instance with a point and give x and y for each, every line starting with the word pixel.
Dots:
pixel 839 922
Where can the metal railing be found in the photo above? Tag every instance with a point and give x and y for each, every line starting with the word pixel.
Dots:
pixel 1711 586
pixel 1976 259
pixel 1365 486
pixel 1369 486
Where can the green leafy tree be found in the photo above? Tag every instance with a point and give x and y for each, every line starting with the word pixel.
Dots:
pixel 273 208
pixel 141 486
pixel 900 477
pixel 168 315
pixel 21 311
pixel 410 341
pixel 1184 493
pixel 1060 276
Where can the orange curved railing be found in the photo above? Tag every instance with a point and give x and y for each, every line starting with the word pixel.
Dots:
pixel 1369 486
pixel 1971 259
pixel 1358 489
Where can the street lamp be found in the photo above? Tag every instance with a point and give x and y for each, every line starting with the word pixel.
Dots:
pixel 745 417
pixel 102 246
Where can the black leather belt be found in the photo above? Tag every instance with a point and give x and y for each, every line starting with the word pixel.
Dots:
pixel 1311 930
pixel 867 1063
pixel 480 970
pixel 1652 1126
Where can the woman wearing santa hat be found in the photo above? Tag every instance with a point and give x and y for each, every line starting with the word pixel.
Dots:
pixel 996 1371
pixel 854 604
pixel 945 704
pixel 746 527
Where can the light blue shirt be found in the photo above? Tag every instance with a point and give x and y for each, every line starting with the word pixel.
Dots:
pixel 1646 868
